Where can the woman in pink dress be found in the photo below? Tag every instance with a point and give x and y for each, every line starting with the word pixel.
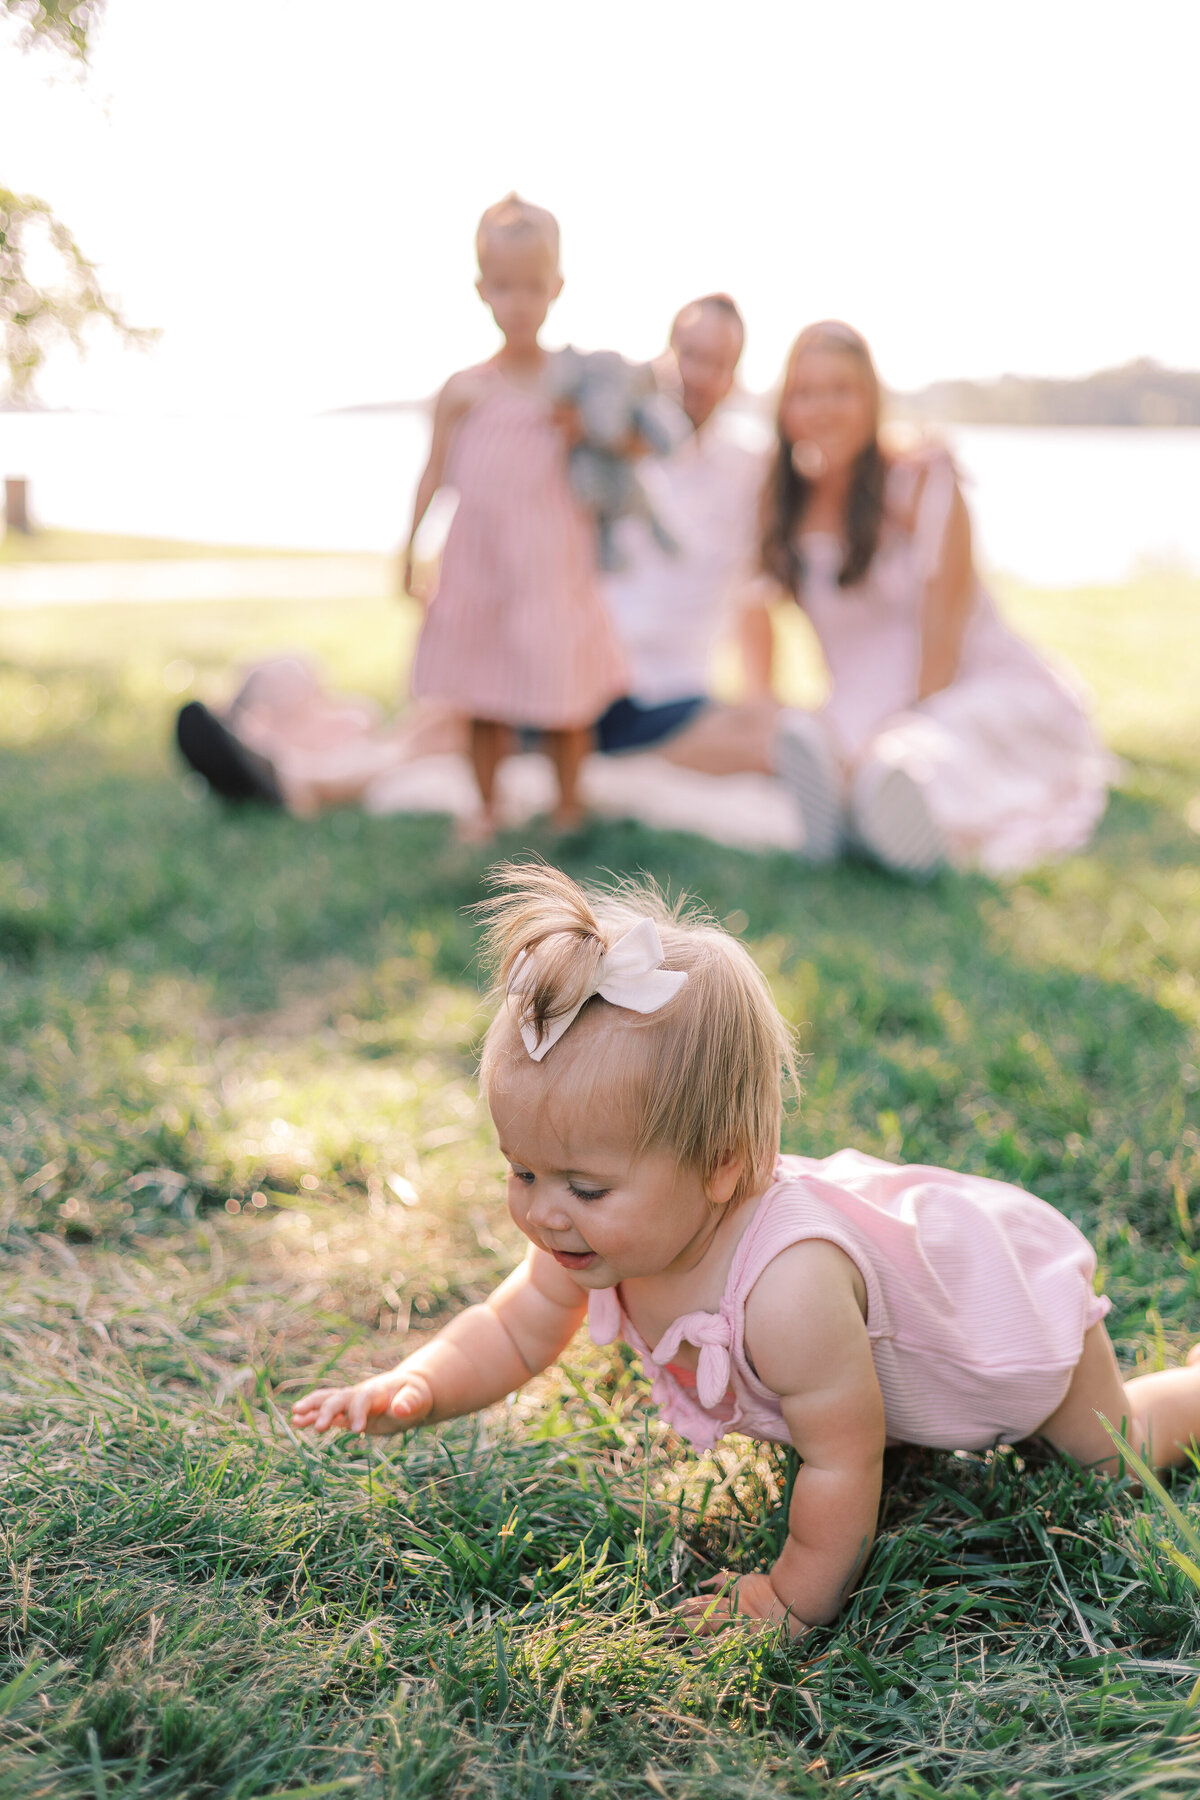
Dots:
pixel 945 736
pixel 516 633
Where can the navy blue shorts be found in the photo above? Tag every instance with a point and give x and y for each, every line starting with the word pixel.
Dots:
pixel 627 725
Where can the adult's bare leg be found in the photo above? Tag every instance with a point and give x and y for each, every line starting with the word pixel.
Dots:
pixel 311 781
pixel 727 740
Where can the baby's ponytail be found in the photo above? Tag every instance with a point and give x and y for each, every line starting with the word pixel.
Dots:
pixel 539 909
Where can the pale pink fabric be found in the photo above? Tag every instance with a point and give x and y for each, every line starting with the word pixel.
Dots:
pixel 978 1298
pixel 1007 756
pixel 517 631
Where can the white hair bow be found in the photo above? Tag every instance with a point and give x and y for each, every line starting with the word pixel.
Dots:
pixel 629 975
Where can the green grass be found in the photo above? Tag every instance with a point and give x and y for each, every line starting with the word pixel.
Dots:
pixel 223 1037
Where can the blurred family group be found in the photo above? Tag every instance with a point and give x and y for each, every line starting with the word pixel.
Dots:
pixel 586 655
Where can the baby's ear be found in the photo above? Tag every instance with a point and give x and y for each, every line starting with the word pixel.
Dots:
pixel 723 1179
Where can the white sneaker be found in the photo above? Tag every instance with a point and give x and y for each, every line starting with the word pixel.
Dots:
pixel 893 824
pixel 806 766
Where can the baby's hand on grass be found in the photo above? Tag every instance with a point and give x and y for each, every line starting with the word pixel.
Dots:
pixel 746 1601
pixel 378 1406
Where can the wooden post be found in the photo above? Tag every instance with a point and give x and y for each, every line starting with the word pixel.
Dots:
pixel 16 505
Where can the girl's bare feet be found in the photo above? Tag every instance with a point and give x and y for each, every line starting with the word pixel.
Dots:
pixel 567 819
pixel 567 750
pixel 477 828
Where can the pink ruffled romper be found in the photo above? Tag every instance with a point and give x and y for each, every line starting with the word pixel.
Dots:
pixel 517 631
pixel 978 1298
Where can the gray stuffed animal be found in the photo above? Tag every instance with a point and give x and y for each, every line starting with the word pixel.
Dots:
pixel 614 401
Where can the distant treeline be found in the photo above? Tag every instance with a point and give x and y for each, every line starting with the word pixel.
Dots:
pixel 1140 393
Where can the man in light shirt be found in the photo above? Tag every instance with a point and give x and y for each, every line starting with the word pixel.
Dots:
pixel 671 610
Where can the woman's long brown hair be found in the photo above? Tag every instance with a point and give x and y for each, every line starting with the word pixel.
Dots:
pixel 787 492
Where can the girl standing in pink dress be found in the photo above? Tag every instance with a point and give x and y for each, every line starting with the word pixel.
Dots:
pixel 516 633
pixel 633 1073
pixel 945 736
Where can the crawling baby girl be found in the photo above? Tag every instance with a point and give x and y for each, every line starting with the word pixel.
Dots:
pixel 634 1073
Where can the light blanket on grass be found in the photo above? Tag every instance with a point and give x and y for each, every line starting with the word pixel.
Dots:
pixel 751 812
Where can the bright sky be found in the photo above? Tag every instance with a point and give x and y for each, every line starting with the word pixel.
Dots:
pixel 290 191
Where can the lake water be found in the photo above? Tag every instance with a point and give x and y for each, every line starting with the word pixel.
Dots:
pixel 1052 507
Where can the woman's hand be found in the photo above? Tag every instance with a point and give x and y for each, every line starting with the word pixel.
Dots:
pixel 746 1601
pixel 376 1407
pixel 950 579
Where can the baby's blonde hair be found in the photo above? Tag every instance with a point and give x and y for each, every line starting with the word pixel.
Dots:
pixel 701 1077
pixel 512 219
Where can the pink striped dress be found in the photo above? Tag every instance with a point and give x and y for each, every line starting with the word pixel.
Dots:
pixel 517 631
pixel 978 1298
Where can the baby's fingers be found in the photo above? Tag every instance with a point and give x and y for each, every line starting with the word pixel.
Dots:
pixel 365 1401
pixel 326 1407
pixel 700 1608
pixel 701 1617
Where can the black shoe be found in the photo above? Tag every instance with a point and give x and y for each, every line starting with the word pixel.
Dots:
pixel 230 769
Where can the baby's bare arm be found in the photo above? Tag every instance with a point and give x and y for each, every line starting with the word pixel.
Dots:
pixel 807 1339
pixel 491 1349
pixel 805 1330
pixel 478 1358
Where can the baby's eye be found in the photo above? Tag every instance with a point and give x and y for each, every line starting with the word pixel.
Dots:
pixel 525 1175
pixel 582 1193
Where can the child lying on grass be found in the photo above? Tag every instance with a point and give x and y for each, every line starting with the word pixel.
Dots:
pixel 633 1072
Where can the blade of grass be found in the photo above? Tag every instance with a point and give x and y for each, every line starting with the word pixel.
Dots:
pixel 1149 1479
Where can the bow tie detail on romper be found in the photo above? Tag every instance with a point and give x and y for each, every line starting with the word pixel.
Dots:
pixel 711 1334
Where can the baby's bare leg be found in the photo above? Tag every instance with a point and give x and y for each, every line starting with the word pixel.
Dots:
pixel 1158 1414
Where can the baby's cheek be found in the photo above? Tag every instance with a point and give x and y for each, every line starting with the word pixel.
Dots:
pixel 517 1211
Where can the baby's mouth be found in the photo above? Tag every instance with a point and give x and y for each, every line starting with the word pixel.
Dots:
pixel 574 1259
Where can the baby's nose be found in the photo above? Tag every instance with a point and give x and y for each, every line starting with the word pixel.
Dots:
pixel 548 1213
